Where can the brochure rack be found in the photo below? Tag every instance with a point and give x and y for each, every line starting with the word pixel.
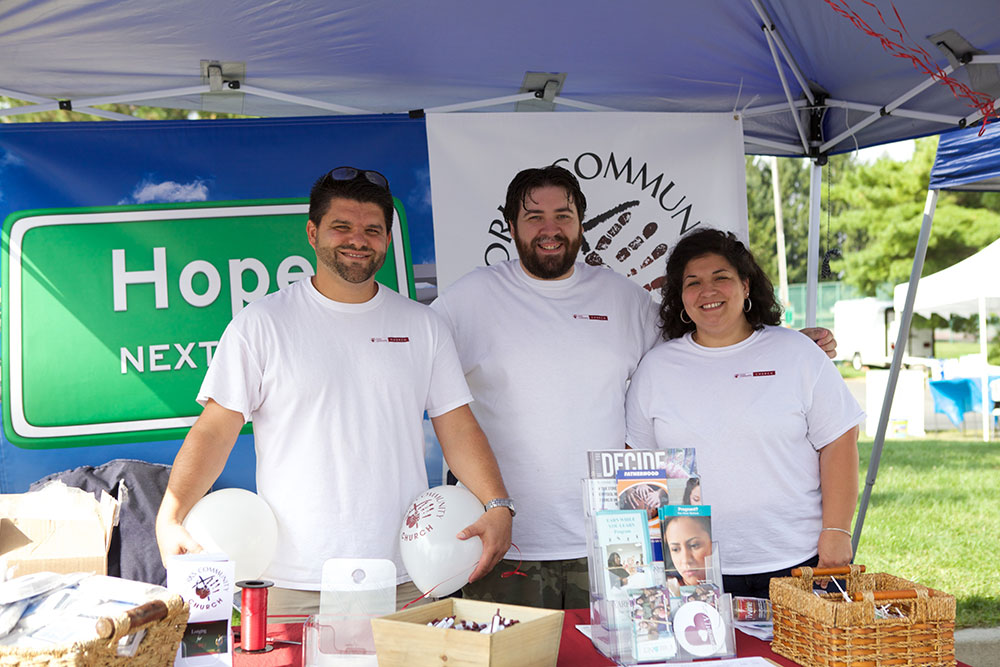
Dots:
pixel 621 631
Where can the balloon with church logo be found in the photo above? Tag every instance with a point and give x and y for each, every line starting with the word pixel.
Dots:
pixel 238 523
pixel 436 560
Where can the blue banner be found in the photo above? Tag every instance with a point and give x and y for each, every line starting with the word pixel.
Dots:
pixel 118 169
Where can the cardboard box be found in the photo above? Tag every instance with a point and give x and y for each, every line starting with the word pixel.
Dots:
pixel 404 639
pixel 56 529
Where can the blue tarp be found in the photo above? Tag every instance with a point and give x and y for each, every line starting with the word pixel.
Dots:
pixel 968 161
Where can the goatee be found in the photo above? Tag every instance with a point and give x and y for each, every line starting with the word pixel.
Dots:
pixel 356 271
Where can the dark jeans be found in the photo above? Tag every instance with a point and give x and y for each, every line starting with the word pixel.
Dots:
pixel 756 585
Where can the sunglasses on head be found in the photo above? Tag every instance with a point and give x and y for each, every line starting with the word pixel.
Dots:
pixel 351 173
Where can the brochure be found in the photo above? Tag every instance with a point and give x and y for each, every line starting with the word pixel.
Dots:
pixel 624 549
pixel 646 491
pixel 686 532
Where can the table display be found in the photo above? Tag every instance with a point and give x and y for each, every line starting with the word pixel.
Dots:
pixel 575 650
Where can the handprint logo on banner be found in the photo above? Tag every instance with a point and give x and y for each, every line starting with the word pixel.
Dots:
pixel 623 243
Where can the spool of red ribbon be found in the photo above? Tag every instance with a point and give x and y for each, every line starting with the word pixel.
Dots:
pixel 253 615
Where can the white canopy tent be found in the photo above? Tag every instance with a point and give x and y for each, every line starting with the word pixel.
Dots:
pixel 970 287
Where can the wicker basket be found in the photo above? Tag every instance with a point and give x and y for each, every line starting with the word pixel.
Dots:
pixel 164 621
pixel 828 631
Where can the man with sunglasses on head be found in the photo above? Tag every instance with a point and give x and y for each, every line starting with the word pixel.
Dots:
pixel 548 345
pixel 335 372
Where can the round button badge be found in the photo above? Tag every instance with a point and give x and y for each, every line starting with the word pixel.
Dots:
pixel 699 629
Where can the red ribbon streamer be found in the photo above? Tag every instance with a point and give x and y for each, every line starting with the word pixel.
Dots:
pixel 917 55
pixel 253 615
pixel 504 575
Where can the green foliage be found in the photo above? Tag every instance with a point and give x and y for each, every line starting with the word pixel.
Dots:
pixel 872 213
pixel 793 177
pixel 140 112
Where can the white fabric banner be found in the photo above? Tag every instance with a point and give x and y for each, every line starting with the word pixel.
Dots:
pixel 648 178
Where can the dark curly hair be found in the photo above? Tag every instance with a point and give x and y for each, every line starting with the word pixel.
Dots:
pixel 529 179
pixel 765 308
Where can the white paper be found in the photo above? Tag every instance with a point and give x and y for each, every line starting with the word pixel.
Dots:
pixel 207 582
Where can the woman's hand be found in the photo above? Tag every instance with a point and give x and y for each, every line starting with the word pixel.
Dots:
pixel 834 549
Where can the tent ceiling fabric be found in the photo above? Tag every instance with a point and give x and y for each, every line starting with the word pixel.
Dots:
pixel 383 56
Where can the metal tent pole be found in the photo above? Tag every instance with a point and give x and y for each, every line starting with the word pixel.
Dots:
pixel 897 361
pixel 779 234
pixel 986 373
pixel 812 260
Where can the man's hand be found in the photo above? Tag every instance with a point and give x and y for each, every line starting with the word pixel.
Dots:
pixel 173 539
pixel 493 528
pixel 822 337
pixel 198 463
pixel 834 549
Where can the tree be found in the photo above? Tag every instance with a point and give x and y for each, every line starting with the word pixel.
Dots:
pixel 794 181
pixel 794 176
pixel 877 215
pixel 140 112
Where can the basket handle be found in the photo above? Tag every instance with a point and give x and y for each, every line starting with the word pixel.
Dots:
pixel 886 595
pixel 139 616
pixel 828 571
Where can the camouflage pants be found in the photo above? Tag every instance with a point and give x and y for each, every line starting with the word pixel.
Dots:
pixel 551 584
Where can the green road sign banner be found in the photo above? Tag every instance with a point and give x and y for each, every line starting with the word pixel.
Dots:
pixel 111 315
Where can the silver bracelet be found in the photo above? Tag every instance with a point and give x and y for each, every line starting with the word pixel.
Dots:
pixel 839 530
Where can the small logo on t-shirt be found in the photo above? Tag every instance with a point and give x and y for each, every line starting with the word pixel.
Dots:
pixel 601 318
pixel 392 339
pixel 755 374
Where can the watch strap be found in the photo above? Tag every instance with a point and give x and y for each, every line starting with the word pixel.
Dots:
pixel 501 502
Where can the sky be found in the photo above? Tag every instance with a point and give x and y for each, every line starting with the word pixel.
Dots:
pixel 900 151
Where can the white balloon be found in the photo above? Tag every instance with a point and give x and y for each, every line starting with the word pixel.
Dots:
pixel 433 556
pixel 238 523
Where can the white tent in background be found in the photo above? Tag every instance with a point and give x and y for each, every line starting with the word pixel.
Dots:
pixel 970 287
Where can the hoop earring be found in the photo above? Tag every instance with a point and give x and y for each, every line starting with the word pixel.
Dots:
pixel 747 305
pixel 683 313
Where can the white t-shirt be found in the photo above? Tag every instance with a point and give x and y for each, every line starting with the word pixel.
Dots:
pixel 757 412
pixel 548 362
pixel 336 393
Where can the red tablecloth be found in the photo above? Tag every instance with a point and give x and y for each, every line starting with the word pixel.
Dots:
pixel 575 650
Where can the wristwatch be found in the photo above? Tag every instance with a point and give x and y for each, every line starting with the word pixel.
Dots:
pixel 501 502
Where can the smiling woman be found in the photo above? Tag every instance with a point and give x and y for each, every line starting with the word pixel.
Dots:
pixel 773 424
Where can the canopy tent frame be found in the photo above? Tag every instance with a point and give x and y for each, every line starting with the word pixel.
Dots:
pixel 783 41
pixel 811 147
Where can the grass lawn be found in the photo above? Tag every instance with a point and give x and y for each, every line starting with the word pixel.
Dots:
pixel 847 371
pixel 944 349
pixel 934 518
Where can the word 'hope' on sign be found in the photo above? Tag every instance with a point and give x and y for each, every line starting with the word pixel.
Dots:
pixel 291 269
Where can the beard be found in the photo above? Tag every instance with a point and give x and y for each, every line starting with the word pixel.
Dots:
pixel 548 267
pixel 352 271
